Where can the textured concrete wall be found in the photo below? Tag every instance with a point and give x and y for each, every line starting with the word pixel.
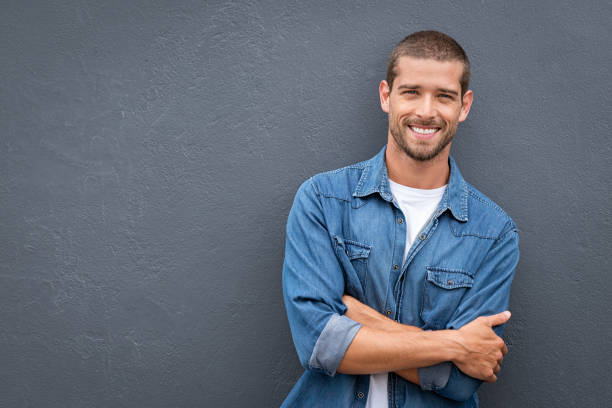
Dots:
pixel 150 151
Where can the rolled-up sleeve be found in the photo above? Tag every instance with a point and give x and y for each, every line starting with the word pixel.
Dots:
pixel 313 285
pixel 489 295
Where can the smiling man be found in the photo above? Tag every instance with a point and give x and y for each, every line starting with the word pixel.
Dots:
pixel 397 272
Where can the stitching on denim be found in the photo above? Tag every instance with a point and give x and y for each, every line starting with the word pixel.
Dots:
pixel 435 268
pixel 337 198
pixel 502 233
pixel 510 231
pixel 358 202
pixel 365 260
pixel 314 186
pixel 352 201
pixel 469 281
pixel 485 200
pixel 470 234
pixel 356 166
pixel 364 175
pixel 359 244
pixel 464 206
pixel 447 204
pixel 320 194
pixel 384 183
pixel 437 323
pixel 362 245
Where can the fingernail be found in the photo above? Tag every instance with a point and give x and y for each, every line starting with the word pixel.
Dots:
pixel 508 314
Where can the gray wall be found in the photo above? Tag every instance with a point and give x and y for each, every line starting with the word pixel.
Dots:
pixel 150 151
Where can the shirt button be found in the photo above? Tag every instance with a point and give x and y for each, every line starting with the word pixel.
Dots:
pixel 422 237
pixel 396 267
pixel 388 312
pixel 346 252
pixel 400 221
pixel 449 282
pixel 360 395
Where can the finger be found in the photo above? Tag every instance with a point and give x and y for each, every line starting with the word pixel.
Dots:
pixel 504 350
pixel 497 369
pixel 491 379
pixel 497 319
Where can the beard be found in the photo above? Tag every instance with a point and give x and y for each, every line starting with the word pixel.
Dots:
pixel 421 150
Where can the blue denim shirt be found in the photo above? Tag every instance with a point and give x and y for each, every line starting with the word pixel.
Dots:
pixel 345 234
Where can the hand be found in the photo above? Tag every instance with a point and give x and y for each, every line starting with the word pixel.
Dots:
pixel 483 350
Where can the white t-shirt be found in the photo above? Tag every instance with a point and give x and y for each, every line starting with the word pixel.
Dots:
pixel 418 206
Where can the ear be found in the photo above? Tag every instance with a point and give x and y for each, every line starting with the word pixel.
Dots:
pixel 383 92
pixel 467 100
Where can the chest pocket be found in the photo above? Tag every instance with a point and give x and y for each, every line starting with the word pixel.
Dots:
pixel 353 257
pixel 442 293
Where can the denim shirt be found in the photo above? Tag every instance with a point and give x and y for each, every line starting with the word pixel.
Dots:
pixel 345 234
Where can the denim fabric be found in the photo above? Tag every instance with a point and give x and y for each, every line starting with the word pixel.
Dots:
pixel 345 234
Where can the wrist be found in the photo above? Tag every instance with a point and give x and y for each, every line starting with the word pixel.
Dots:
pixel 452 345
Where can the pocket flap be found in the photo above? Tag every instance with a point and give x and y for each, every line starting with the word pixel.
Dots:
pixel 449 278
pixel 356 250
pixel 353 249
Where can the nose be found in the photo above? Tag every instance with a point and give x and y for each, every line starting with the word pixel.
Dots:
pixel 426 109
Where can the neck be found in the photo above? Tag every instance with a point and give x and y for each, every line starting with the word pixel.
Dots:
pixel 424 175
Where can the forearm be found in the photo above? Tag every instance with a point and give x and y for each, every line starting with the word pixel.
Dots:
pixel 383 344
pixel 450 345
pixel 375 350
pixel 371 318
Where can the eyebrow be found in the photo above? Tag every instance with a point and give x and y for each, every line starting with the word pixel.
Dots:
pixel 407 86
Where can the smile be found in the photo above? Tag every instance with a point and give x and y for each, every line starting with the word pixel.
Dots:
pixel 424 132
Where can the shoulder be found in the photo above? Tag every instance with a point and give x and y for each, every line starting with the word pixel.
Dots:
pixel 338 183
pixel 486 218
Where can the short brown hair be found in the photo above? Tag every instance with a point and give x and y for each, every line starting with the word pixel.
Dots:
pixel 430 45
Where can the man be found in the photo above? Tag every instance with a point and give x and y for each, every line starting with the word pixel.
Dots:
pixel 397 272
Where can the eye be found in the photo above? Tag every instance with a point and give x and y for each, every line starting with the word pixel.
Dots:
pixel 447 96
pixel 409 92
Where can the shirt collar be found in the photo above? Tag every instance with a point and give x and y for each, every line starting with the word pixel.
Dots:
pixel 375 179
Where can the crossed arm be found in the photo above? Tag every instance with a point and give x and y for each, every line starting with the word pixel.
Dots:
pixel 383 345
pixel 333 334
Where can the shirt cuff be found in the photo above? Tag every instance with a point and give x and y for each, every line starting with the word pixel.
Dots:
pixel 435 377
pixel 332 343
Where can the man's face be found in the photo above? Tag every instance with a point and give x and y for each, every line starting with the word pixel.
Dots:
pixel 425 106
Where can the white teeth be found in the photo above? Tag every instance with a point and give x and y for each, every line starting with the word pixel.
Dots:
pixel 424 131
